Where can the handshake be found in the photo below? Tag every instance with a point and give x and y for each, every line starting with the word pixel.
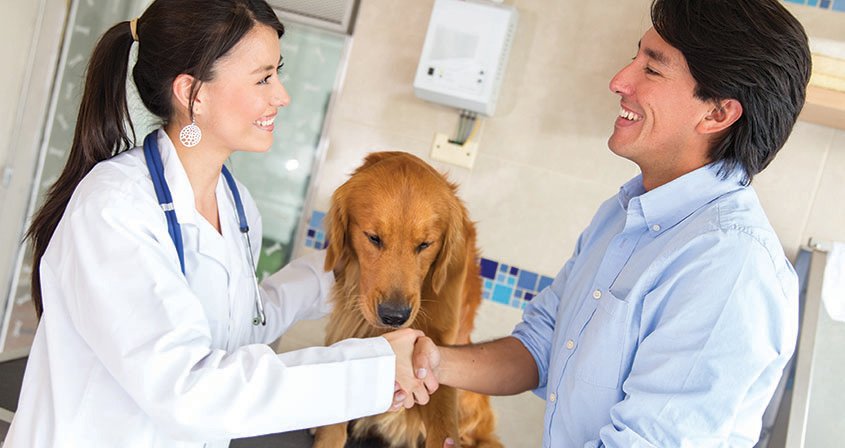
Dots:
pixel 460 412
pixel 417 367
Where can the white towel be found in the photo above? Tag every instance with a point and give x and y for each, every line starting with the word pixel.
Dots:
pixel 833 289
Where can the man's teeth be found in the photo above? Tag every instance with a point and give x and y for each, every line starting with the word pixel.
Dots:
pixel 628 115
pixel 266 122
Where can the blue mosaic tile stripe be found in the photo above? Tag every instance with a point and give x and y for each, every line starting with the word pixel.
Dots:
pixel 315 238
pixel 501 283
pixel 833 5
pixel 510 285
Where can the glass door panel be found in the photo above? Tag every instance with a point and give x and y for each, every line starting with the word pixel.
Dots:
pixel 278 180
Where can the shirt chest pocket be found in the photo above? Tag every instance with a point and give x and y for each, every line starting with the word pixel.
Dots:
pixel 601 346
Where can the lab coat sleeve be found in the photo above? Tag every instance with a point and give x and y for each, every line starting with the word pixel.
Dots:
pixel 719 328
pixel 299 291
pixel 129 301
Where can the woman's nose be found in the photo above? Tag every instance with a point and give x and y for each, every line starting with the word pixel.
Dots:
pixel 281 97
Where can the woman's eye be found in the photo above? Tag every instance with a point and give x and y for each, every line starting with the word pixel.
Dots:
pixel 265 80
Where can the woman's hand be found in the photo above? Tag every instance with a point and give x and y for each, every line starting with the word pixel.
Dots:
pixel 402 342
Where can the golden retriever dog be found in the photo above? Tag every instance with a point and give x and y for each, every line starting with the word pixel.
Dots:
pixel 403 251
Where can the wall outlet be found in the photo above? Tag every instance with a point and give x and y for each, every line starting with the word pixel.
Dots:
pixel 461 155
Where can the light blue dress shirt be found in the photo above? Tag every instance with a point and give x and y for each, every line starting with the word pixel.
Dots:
pixel 671 324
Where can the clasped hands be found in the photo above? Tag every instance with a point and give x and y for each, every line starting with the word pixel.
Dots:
pixel 417 364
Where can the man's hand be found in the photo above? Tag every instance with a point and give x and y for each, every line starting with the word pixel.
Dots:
pixel 427 363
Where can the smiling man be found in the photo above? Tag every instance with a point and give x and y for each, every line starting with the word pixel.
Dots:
pixel 672 322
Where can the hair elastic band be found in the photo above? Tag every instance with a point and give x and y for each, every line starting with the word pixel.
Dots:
pixel 133 26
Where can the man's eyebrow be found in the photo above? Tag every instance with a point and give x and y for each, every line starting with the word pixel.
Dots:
pixel 657 56
pixel 266 67
pixel 654 54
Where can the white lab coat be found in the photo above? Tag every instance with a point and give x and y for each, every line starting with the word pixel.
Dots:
pixel 132 353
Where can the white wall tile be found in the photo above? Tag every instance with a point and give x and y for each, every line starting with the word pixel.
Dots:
pixel 788 186
pixel 530 217
pixel 827 216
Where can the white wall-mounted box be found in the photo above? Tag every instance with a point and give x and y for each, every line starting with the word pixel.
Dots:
pixel 465 54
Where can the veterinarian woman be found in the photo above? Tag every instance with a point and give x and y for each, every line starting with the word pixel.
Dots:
pixel 151 333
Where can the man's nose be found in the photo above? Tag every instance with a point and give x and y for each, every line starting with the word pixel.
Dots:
pixel 620 83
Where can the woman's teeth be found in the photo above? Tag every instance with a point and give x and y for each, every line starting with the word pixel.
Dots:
pixel 628 115
pixel 266 122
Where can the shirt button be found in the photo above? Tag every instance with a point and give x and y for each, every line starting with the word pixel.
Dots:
pixel 553 397
pixel 570 344
pixel 655 227
pixel 597 294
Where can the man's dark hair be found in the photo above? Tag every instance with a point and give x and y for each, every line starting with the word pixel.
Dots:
pixel 753 51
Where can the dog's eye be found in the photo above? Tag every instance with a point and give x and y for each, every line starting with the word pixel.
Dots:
pixel 422 247
pixel 374 239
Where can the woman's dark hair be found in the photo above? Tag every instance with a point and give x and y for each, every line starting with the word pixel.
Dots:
pixel 753 51
pixel 174 37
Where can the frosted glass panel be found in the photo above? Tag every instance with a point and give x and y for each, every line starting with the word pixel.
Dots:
pixel 88 20
pixel 278 180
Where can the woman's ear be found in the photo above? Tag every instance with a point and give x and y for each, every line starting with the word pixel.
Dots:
pixel 182 86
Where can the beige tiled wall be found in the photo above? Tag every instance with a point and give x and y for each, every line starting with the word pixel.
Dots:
pixel 543 166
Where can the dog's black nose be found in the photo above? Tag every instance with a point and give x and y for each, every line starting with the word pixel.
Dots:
pixel 393 313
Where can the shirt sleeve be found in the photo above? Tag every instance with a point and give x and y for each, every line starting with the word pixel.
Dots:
pixel 717 330
pixel 536 331
pixel 127 298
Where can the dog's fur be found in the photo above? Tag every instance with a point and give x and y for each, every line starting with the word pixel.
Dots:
pixel 398 233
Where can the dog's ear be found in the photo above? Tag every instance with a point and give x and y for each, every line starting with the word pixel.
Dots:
pixel 336 223
pixel 453 252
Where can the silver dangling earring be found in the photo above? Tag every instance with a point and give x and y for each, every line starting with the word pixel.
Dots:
pixel 190 135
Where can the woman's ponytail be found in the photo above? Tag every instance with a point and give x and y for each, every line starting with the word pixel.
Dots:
pixel 101 132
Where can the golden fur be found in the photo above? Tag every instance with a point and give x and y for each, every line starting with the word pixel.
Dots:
pixel 424 256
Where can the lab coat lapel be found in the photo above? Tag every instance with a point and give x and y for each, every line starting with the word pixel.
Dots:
pixel 198 235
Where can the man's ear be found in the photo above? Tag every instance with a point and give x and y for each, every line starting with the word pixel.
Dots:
pixel 723 114
pixel 182 86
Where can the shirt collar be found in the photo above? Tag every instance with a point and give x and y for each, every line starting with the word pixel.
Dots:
pixel 668 204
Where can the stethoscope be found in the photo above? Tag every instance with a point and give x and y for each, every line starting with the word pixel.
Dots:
pixel 165 200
